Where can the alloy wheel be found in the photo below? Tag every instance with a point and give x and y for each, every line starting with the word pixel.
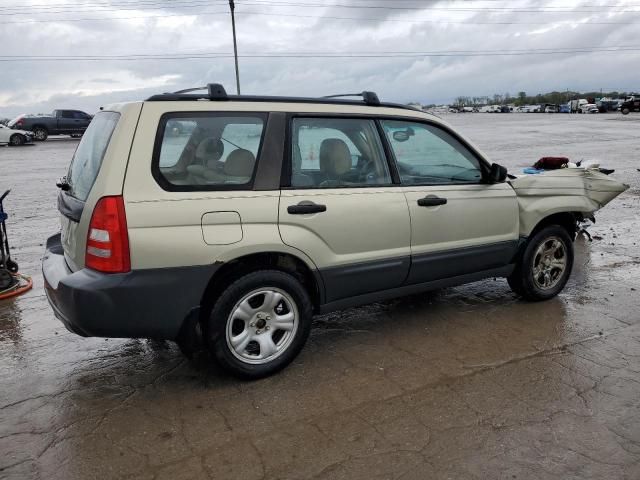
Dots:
pixel 262 325
pixel 549 263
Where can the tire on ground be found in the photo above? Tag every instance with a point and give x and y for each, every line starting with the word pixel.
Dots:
pixel 16 139
pixel 219 326
pixel 530 272
pixel 40 134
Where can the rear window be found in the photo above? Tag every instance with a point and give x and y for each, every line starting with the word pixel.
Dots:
pixel 208 151
pixel 89 154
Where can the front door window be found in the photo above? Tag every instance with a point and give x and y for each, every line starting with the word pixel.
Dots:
pixel 427 155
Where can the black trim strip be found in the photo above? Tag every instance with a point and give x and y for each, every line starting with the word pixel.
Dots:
pixel 413 289
pixel 271 156
pixel 356 279
pixel 388 152
pixel 462 261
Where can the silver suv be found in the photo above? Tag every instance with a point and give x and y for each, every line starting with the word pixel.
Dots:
pixel 241 217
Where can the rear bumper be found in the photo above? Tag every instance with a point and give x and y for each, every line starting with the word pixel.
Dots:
pixel 140 304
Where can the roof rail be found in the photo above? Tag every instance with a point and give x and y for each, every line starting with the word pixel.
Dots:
pixel 216 92
pixel 370 98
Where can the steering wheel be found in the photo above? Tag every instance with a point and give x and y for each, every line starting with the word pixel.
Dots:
pixel 368 167
pixel 458 177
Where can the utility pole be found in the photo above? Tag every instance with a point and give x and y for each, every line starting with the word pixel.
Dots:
pixel 232 6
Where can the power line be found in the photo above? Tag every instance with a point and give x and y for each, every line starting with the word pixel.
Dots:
pixel 326 17
pixel 155 5
pixel 122 7
pixel 314 55
pixel 446 9
pixel 105 19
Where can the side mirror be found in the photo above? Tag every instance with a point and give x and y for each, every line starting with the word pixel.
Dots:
pixel 497 174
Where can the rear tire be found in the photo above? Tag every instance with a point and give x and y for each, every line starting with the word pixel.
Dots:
pixel 259 324
pixel 625 111
pixel 545 266
pixel 40 134
pixel 16 140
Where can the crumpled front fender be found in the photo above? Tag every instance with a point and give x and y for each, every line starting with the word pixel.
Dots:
pixel 574 190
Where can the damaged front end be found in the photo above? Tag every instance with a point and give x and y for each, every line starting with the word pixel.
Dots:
pixel 572 190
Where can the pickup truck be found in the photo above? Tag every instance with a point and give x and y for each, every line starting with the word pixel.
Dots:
pixel 60 122
pixel 630 104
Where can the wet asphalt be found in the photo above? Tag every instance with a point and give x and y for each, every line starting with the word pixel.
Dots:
pixel 464 383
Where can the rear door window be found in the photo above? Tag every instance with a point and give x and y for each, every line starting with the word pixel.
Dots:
pixel 337 152
pixel 208 151
pixel 88 158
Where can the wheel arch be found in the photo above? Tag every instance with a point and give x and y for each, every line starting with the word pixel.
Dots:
pixel 567 220
pixel 286 262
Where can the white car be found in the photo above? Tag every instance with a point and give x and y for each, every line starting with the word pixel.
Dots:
pixel 14 137
pixel 588 108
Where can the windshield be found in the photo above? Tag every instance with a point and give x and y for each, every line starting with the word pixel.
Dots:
pixel 89 154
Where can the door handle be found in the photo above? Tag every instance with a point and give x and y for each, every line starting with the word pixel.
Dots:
pixel 432 201
pixel 305 207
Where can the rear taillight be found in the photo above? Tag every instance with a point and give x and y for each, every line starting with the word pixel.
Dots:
pixel 108 239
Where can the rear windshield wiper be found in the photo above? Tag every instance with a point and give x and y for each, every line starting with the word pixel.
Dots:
pixel 63 184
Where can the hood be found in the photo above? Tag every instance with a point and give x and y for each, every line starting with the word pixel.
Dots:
pixel 590 183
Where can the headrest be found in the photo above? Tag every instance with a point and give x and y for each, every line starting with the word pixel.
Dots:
pixel 209 150
pixel 335 158
pixel 240 163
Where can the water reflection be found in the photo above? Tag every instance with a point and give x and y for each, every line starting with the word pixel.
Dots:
pixel 11 328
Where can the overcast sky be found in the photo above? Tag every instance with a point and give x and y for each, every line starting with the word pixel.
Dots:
pixel 102 28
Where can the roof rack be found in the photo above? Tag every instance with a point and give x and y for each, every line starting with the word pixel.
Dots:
pixel 216 92
pixel 370 98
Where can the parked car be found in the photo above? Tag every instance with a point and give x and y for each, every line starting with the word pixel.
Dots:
pixel 60 122
pixel 551 109
pixel 631 104
pixel 490 109
pixel 14 137
pixel 273 209
pixel 607 105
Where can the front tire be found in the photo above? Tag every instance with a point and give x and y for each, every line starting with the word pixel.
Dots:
pixel 16 140
pixel 40 134
pixel 259 324
pixel 625 111
pixel 545 266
